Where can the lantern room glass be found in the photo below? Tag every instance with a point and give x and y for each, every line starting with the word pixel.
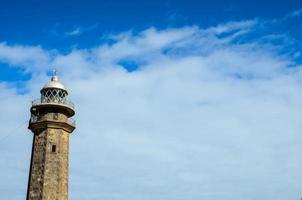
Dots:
pixel 53 95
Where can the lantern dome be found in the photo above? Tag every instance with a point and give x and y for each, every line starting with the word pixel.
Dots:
pixel 55 84
pixel 54 95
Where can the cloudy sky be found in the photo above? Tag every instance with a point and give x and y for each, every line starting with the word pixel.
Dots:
pixel 175 100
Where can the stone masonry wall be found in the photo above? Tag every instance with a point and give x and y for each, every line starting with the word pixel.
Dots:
pixel 49 169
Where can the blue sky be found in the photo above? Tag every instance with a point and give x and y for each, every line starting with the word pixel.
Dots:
pixel 64 25
pixel 44 23
pixel 175 100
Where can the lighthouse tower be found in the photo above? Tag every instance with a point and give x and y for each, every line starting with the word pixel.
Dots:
pixel 51 125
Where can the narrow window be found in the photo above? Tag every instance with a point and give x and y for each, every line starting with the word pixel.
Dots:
pixel 56 116
pixel 53 148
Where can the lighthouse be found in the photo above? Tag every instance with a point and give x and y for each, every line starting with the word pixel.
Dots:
pixel 51 124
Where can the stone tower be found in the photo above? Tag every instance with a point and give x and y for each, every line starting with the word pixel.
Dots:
pixel 51 125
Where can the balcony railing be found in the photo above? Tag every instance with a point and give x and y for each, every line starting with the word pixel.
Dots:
pixel 35 118
pixel 71 121
pixel 63 102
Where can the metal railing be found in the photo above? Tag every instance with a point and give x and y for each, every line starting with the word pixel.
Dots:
pixel 71 121
pixel 35 118
pixel 42 101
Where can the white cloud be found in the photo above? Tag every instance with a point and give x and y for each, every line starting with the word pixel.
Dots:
pixel 203 117
pixel 28 57
pixel 293 14
pixel 233 26
pixel 79 30
pixel 76 31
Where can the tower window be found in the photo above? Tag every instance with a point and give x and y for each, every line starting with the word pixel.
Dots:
pixel 56 116
pixel 53 148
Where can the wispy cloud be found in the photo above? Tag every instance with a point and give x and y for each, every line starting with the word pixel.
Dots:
pixel 294 14
pixel 78 30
